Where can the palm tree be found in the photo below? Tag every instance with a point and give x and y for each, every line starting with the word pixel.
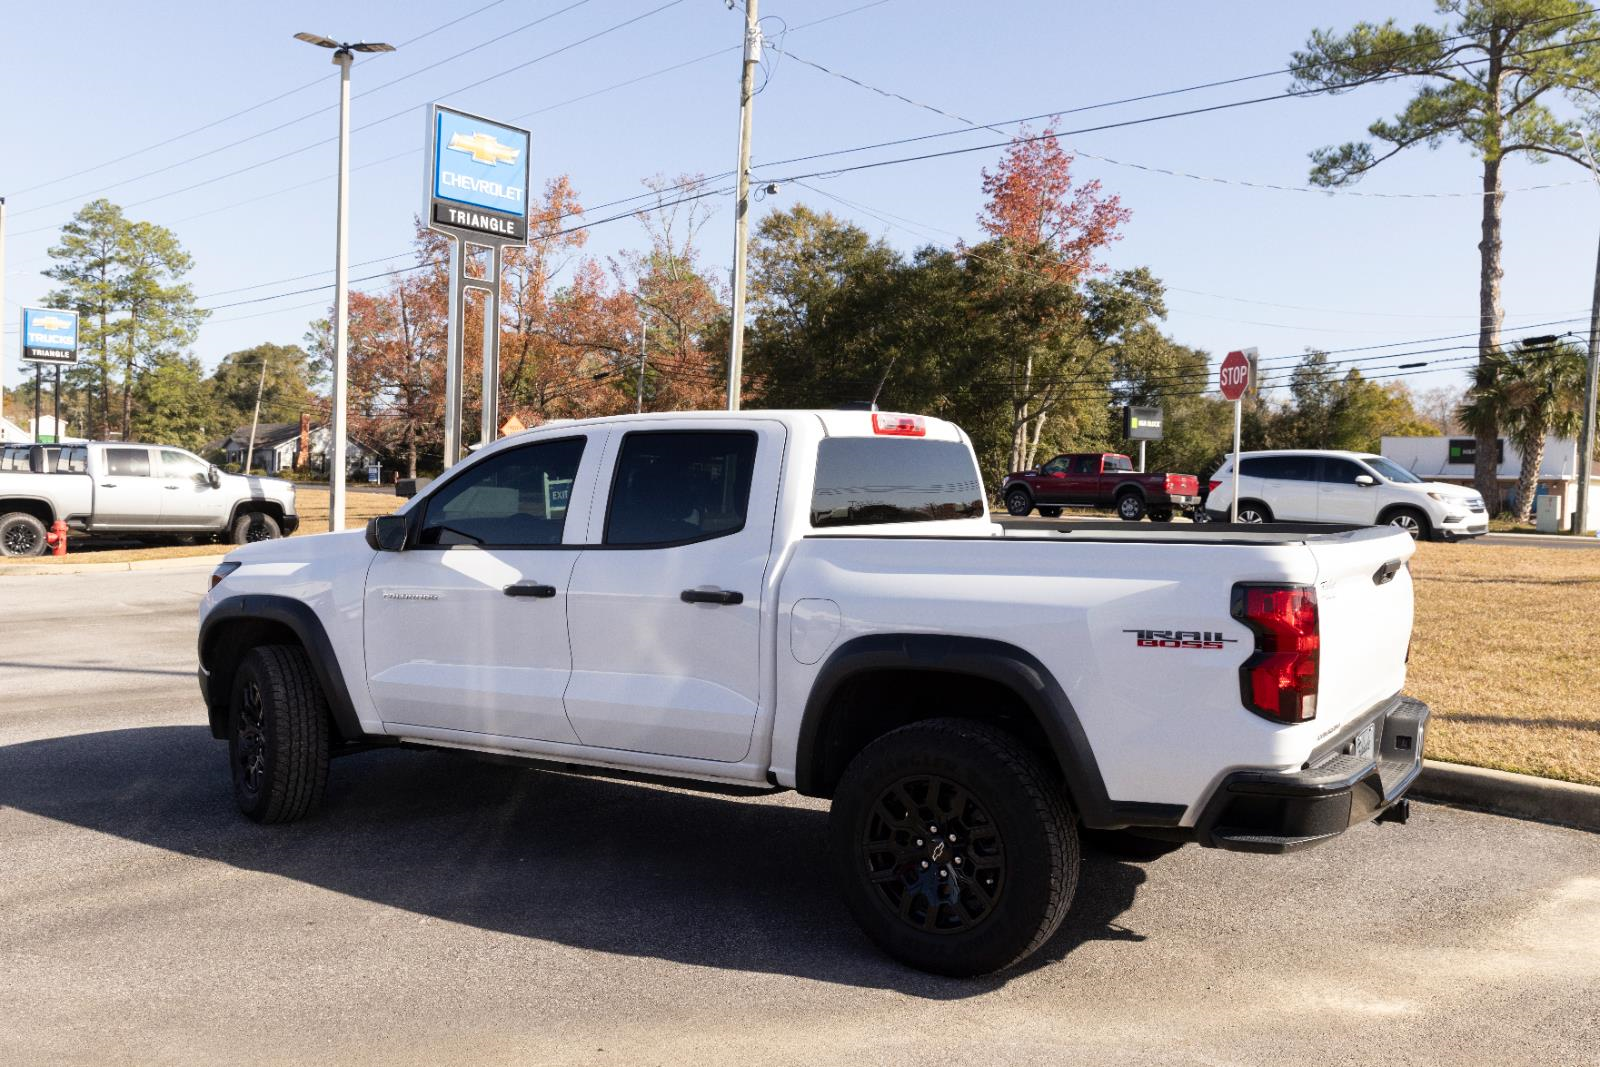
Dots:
pixel 1530 392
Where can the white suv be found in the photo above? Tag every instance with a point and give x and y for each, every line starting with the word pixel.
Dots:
pixel 1345 487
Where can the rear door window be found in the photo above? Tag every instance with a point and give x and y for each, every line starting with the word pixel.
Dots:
pixel 673 487
pixel 128 462
pixel 868 481
pixel 1118 464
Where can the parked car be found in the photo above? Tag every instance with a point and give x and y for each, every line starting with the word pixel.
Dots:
pixel 1099 480
pixel 819 601
pixel 132 489
pixel 1345 487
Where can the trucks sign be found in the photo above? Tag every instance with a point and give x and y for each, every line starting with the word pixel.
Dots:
pixel 477 178
pixel 49 335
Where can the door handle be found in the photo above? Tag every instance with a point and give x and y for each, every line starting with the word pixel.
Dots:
pixel 174 487
pixel 534 589
pixel 108 485
pixel 711 596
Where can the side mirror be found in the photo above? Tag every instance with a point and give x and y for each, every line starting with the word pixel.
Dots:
pixel 387 533
pixel 213 477
pixel 1366 481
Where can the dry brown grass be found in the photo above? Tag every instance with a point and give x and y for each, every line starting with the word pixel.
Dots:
pixel 312 504
pixel 1501 653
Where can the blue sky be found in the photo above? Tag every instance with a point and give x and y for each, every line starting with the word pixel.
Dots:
pixel 1246 265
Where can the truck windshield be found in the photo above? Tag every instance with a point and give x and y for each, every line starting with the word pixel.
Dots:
pixel 867 481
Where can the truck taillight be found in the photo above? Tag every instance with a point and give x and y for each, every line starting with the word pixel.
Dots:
pixel 1211 486
pixel 899 425
pixel 1279 681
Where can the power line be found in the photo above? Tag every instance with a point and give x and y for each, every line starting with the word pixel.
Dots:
pixel 364 126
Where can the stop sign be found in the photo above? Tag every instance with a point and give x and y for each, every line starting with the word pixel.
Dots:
pixel 1234 375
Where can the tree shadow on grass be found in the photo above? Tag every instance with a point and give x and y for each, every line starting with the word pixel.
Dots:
pixel 594 864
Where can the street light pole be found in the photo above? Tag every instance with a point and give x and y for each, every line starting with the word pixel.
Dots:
pixel 341 302
pixel 343 57
pixel 741 218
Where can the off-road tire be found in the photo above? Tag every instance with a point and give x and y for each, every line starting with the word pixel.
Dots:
pixel 1130 507
pixel 1018 502
pixel 252 526
pixel 277 735
pixel 1017 798
pixel 21 535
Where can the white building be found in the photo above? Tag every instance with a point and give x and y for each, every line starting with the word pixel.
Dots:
pixel 1450 459
pixel 10 431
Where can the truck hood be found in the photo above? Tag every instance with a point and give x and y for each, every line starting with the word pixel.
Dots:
pixel 1449 491
pixel 304 549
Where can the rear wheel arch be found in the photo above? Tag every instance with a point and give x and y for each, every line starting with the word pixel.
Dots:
pixel 876 684
pixel 265 507
pixel 238 624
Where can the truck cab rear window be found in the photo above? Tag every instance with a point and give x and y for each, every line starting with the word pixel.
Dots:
pixel 865 481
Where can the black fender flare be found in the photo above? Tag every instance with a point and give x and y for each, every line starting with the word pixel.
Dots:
pixel 216 679
pixel 995 661
pixel 1130 487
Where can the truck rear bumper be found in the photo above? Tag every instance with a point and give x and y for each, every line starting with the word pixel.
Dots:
pixel 1271 811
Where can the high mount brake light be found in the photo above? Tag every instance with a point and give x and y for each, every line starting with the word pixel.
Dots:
pixel 899 425
pixel 1279 681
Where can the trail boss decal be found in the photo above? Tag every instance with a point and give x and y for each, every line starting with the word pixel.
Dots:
pixel 1181 638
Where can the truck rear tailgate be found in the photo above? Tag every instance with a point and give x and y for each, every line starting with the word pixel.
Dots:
pixel 1364 618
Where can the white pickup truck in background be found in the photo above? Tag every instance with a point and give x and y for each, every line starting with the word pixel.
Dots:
pixel 126 488
pixel 818 600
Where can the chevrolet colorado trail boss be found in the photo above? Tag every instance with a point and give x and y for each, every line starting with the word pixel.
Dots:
pixel 125 488
pixel 1099 480
pixel 818 600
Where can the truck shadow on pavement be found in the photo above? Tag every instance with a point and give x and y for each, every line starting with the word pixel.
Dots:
pixel 609 866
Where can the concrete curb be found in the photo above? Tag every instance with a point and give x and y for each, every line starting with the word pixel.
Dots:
pixel 205 562
pixel 1519 795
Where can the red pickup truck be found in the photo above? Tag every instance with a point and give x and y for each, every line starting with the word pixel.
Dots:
pixel 1099 479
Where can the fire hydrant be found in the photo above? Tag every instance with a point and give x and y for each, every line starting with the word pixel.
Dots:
pixel 57 538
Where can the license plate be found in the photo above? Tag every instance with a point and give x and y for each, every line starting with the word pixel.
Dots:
pixel 1365 742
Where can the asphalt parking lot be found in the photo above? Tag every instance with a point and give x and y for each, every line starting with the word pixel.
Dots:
pixel 441 910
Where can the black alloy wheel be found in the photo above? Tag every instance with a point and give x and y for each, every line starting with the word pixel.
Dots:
pixel 250 743
pixel 21 535
pixel 934 855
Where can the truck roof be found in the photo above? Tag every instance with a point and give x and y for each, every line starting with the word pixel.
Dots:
pixel 835 423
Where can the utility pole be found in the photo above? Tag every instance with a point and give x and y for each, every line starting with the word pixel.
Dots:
pixel 741 218
pixel 644 325
pixel 261 385
pixel 1580 520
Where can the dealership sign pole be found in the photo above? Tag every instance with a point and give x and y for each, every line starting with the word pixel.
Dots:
pixel 1234 378
pixel 49 335
pixel 476 193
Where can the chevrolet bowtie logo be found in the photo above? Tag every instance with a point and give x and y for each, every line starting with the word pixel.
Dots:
pixel 50 322
pixel 483 148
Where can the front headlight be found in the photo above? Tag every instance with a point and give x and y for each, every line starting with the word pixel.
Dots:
pixel 1440 497
pixel 223 570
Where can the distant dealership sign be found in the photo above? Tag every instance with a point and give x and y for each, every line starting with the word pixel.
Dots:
pixel 1141 424
pixel 1464 450
pixel 49 335
pixel 477 180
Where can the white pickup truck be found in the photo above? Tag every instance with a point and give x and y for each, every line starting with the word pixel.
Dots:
pixel 125 488
pixel 818 600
